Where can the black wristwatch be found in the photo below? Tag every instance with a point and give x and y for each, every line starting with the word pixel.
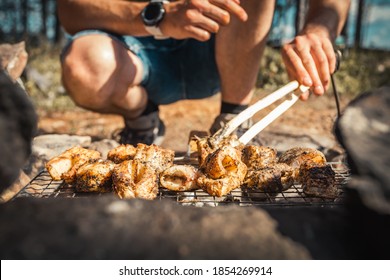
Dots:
pixel 152 15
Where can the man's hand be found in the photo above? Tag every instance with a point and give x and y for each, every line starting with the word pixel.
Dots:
pixel 310 59
pixel 198 19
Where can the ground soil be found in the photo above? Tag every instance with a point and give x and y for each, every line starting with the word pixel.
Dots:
pixel 317 114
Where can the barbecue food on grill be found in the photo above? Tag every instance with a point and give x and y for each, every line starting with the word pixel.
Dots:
pixel 295 157
pixel 310 170
pixel 94 176
pixel 122 153
pixel 224 162
pixel 218 187
pixel 274 178
pixel 132 178
pixel 154 156
pixel 223 171
pixel 318 180
pixel 208 145
pixel 64 166
pixel 179 178
pixel 256 157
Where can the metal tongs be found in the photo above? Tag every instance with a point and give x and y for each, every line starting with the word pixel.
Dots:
pixel 291 90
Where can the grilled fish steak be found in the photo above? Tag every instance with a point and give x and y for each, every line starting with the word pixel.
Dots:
pixel 295 157
pixel 318 180
pixel 133 178
pixel 154 156
pixel 180 178
pixel 218 187
pixel 94 176
pixel 208 145
pixel 121 153
pixel 64 166
pixel 273 179
pixel 223 171
pixel 257 157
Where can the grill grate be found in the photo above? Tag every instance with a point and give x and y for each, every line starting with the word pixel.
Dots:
pixel 43 186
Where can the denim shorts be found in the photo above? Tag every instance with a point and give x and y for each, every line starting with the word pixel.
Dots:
pixel 173 69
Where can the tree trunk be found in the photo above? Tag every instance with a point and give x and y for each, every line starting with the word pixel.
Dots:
pixel 44 17
pixel 24 8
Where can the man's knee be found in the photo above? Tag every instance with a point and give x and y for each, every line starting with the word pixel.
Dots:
pixel 91 69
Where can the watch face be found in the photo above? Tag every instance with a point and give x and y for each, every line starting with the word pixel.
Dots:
pixel 153 13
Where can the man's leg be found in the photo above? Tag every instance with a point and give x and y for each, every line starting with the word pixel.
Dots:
pixel 239 47
pixel 100 74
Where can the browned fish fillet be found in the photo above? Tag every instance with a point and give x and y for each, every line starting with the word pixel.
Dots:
pixel 318 180
pixel 154 156
pixel 296 156
pixel 274 178
pixel 179 178
pixel 94 177
pixel 122 153
pixel 132 178
pixel 64 166
pixel 218 187
pixel 257 157
pixel 223 171
pixel 225 161
pixel 208 145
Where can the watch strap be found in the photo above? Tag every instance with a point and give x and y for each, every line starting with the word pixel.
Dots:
pixel 156 32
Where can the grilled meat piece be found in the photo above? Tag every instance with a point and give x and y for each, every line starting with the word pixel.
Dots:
pixel 179 178
pixel 121 153
pixel 223 171
pixel 274 178
pixel 257 157
pixel 208 145
pixel 132 178
pixel 94 176
pixel 64 166
pixel 295 157
pixel 154 156
pixel 225 161
pixel 318 180
pixel 218 187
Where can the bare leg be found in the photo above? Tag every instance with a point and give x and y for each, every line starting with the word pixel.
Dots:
pixel 103 76
pixel 239 47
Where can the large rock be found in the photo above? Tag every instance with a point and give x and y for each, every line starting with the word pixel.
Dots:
pixel 364 131
pixel 18 122
pixel 108 228
pixel 13 59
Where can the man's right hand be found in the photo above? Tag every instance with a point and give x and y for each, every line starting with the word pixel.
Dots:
pixel 198 19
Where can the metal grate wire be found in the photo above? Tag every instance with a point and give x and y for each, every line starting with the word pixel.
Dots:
pixel 42 186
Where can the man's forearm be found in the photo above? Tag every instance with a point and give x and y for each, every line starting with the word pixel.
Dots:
pixel 327 16
pixel 122 17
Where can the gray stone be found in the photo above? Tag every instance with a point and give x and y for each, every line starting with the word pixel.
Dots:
pixel 103 146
